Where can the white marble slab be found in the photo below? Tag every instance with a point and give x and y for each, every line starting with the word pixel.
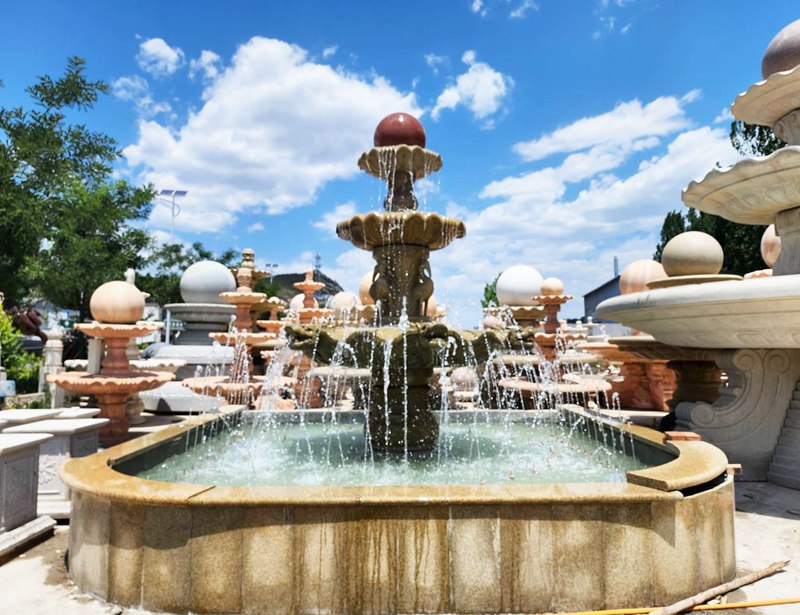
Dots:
pixel 18 417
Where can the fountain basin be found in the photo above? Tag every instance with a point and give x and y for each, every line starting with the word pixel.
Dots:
pixel 755 313
pixel 410 228
pixel 181 547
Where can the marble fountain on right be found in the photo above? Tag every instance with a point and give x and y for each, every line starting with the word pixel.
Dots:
pixel 752 326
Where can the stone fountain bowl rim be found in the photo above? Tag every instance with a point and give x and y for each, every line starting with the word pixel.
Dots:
pixel 695 464
pixel 754 313
pixel 768 100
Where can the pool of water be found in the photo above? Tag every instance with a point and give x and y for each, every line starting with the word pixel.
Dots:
pixel 267 452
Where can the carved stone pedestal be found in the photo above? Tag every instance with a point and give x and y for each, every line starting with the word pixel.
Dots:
pixel 746 420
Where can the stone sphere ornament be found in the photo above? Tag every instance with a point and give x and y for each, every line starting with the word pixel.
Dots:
pixel 363 289
pixel 770 246
pixel 399 129
pixel 203 281
pixel 518 285
pixel 296 304
pixel 783 52
pixel 692 253
pixel 433 305
pixel 634 277
pixel 117 302
pixel 552 287
pixel 493 322
pixel 343 303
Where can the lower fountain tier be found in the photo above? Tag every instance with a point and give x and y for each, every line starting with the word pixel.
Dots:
pixel 755 313
pixel 411 227
pixel 233 392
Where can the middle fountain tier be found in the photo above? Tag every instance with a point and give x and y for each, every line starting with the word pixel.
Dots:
pixel 402 351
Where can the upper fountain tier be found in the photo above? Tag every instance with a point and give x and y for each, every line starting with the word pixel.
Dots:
pixel 764 190
pixel 400 158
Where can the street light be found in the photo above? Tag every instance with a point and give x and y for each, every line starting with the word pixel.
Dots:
pixel 176 209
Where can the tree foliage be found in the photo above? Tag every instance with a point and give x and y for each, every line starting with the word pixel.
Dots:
pixel 41 157
pixel 90 242
pixel 752 140
pixel 490 293
pixel 21 366
pixel 169 262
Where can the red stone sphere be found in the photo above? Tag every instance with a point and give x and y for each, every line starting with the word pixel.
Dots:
pixel 399 129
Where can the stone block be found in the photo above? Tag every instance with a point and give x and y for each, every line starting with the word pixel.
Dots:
pixel 216 560
pixel 166 560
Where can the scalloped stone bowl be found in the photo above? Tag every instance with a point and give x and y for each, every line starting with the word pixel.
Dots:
pixel 415 228
pixel 381 162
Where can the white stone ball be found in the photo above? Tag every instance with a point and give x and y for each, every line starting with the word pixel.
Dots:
pixel 203 281
pixel 770 246
pixel 296 303
pixel 518 285
pixel 343 303
pixel 692 253
pixel 634 277
pixel 117 302
pixel 363 289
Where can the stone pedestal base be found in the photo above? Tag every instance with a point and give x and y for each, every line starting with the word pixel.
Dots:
pixel 746 420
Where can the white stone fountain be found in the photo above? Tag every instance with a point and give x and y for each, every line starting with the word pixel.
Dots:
pixel 753 325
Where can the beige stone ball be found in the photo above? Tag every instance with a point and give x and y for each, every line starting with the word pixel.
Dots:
pixel 552 287
pixel 433 305
pixel 692 253
pixel 492 322
pixel 117 302
pixel 634 277
pixel 464 379
pixel 770 246
pixel 363 289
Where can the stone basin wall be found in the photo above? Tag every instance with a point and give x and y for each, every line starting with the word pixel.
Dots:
pixel 447 549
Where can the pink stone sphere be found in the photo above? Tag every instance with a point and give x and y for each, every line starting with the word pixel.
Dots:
pixel 432 307
pixel 399 129
pixel 635 276
pixel 770 246
pixel 783 52
pixel 117 302
pixel 492 322
pixel 552 287
pixel 363 289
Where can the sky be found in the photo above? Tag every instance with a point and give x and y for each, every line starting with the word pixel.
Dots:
pixel 567 128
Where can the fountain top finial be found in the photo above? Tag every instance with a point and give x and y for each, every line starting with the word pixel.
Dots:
pixel 783 52
pixel 399 129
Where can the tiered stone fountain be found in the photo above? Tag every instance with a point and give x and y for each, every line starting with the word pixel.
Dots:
pixel 116 307
pixel 400 353
pixel 753 325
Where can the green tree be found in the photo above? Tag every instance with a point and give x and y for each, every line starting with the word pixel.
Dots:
pixel 22 367
pixel 41 156
pixel 169 262
pixel 490 293
pixel 90 242
pixel 751 140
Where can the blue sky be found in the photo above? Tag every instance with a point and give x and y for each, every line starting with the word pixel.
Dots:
pixel 567 128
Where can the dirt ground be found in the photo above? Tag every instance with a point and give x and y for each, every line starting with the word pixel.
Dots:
pixel 767 530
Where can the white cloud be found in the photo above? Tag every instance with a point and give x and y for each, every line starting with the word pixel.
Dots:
pixel 522 9
pixel 158 58
pixel 341 212
pixel 481 89
pixel 136 90
pixel 255 227
pixel 725 116
pixel 330 51
pixel 477 7
pixel 628 121
pixel 275 127
pixel 570 218
pixel 434 61
pixel 207 65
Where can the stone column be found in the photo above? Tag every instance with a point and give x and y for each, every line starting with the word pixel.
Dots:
pixel 53 355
